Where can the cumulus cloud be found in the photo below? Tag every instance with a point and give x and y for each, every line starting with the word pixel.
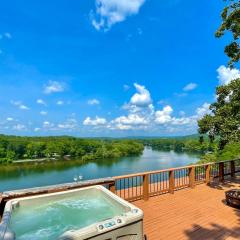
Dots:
pixel 16 103
pixel 69 124
pixel 23 107
pixel 43 113
pixel 190 87
pixel 110 12
pixel 93 101
pixel 140 111
pixel 19 127
pixel 9 119
pixel 142 97
pixel 40 101
pixel 94 122
pixel 60 102
pixel 204 109
pixel 19 105
pixel 163 116
pixel 226 74
pixel 48 126
pixel 131 119
pixel 53 87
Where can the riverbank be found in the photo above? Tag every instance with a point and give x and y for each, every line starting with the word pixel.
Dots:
pixel 34 160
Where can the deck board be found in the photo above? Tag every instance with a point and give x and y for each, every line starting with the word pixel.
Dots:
pixel 192 214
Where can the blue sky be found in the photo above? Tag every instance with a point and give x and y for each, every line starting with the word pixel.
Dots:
pixel 109 67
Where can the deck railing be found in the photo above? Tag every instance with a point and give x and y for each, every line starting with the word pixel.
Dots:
pixel 144 185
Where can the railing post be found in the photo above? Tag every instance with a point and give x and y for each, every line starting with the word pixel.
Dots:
pixel 192 177
pixel 112 187
pixel 233 169
pixel 221 171
pixel 145 187
pixel 207 177
pixel 171 181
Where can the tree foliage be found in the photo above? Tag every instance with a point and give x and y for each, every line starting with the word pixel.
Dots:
pixel 184 144
pixel 231 23
pixel 224 120
pixel 13 147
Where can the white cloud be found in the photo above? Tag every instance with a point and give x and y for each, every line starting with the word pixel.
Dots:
pixel 131 119
pixel 8 35
pixel 204 109
pixel 46 123
pixel 163 116
pixel 53 87
pixel 24 107
pixel 43 113
pixel 190 87
pixel 94 122
pixel 19 105
pixel 93 101
pixel 37 129
pixel 40 101
pixel 16 103
pixel 122 127
pixel 142 97
pixel 48 126
pixel 60 102
pixel 226 75
pixel 110 12
pixel 70 124
pixel 10 119
pixel 19 127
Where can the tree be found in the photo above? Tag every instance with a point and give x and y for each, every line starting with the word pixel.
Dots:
pixel 224 120
pixel 231 22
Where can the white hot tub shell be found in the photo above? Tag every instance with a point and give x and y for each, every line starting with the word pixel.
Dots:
pixel 127 224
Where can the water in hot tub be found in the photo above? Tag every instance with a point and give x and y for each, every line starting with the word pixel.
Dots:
pixel 50 219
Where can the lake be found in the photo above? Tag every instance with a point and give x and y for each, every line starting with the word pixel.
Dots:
pixel 42 174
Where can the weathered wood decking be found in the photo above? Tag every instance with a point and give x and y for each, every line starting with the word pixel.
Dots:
pixel 192 214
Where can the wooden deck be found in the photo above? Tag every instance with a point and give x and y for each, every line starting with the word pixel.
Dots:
pixel 192 214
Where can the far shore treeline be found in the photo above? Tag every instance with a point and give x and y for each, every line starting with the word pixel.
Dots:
pixel 13 148
pixel 63 147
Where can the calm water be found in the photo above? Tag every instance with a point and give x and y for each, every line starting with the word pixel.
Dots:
pixel 18 177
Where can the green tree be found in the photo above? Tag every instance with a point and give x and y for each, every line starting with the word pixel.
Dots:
pixel 231 23
pixel 230 151
pixel 224 120
pixel 10 156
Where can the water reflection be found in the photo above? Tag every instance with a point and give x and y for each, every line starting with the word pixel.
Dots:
pixel 40 174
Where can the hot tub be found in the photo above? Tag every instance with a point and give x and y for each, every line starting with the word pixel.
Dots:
pixel 88 213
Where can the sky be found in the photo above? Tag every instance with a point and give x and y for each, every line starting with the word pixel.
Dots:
pixel 109 68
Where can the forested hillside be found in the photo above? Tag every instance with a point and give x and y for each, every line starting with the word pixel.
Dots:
pixel 14 147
